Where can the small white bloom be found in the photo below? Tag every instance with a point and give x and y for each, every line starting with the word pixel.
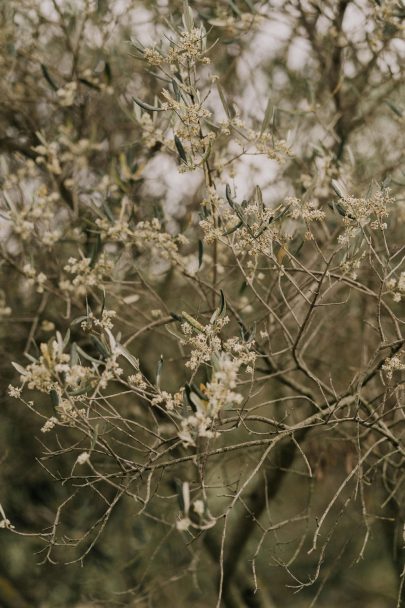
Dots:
pixel 183 524
pixel 198 507
pixel 49 424
pixel 14 391
pixel 6 523
pixel 392 364
pixel 83 458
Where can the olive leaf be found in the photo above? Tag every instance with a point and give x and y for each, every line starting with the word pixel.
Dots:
pixel 219 312
pixel 146 106
pixel 48 77
pixel 159 371
pixel 180 149
pixel 200 253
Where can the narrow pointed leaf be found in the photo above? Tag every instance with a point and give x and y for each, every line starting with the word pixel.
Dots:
pixel 146 106
pixel 180 149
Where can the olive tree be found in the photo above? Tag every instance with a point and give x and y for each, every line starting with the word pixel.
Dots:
pixel 203 281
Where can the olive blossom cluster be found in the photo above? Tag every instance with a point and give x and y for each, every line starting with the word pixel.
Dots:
pixel 396 287
pixel 250 228
pixel 189 115
pixel 361 212
pixel 68 93
pixel 197 426
pixel 212 399
pixel 393 364
pixel 188 48
pixel 260 141
pixel 85 274
pixel 186 112
pixel 306 210
pixel 152 135
pixel 66 155
pixel 34 278
pixel 64 377
pixel 205 341
pixel 220 390
pixel 53 370
pixel 145 235
pixel 33 219
pixel 105 322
